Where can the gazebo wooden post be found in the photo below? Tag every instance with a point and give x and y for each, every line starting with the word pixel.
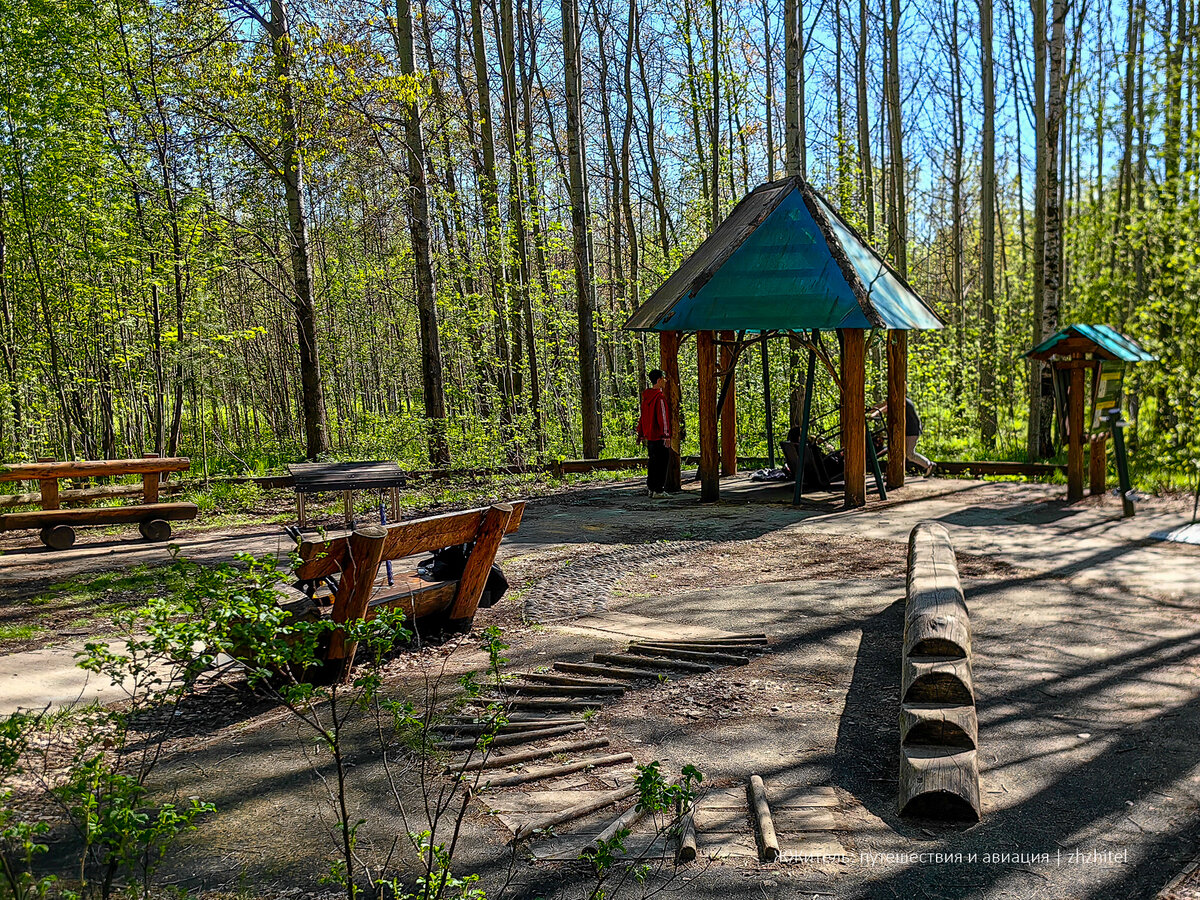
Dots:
pixel 1075 429
pixel 854 414
pixel 710 457
pixel 729 408
pixel 668 361
pixel 897 372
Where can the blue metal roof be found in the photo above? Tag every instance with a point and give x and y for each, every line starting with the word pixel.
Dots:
pixel 784 259
pixel 1109 343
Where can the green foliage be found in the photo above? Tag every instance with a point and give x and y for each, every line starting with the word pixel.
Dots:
pixel 665 802
pixel 20 841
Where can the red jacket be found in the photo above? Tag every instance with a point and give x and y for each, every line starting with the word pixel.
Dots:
pixel 653 423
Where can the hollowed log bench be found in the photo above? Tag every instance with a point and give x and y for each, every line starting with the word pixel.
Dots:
pixel 58 525
pixel 361 590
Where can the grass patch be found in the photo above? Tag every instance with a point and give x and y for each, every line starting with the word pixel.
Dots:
pixel 9 633
pixel 112 589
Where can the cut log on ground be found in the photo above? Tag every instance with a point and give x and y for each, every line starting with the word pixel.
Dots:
pixel 578 811
pixel 768 841
pixel 499 761
pixel 939 726
pixel 627 819
pixel 936 621
pixel 651 662
pixel 937 680
pixel 939 783
pixel 561 690
pixel 716 659
pixel 625 673
pixel 515 737
pixel 580 765
pixel 687 836
pixel 552 678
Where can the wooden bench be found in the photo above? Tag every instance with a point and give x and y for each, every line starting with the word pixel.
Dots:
pixel 58 525
pixel 361 590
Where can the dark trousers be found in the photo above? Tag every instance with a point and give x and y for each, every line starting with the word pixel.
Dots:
pixel 656 472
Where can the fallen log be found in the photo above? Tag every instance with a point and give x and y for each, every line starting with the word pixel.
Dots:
pixel 515 737
pixel 578 811
pixel 717 659
pixel 625 673
pixel 591 762
pixel 653 662
pixel 574 681
pixel 499 761
pixel 768 841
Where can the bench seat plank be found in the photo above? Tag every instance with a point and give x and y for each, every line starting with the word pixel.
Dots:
pixel 107 515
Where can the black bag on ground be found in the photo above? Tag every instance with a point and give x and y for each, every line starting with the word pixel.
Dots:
pixel 449 563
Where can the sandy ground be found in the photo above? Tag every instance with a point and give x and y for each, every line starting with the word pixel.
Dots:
pixel 1087 671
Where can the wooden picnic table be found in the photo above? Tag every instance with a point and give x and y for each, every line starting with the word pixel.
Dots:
pixel 58 525
pixel 346 477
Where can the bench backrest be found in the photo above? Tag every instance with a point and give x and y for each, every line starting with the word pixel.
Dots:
pixel 92 468
pixel 329 556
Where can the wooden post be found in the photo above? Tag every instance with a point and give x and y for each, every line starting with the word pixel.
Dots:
pixel 668 361
pixel 729 409
pixel 354 590
pixel 854 415
pixel 48 488
pixel 150 482
pixel 1075 432
pixel 1098 465
pixel 710 461
pixel 479 564
pixel 767 411
pixel 897 370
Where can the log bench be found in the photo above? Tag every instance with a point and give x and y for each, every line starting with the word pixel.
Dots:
pixel 939 729
pixel 361 590
pixel 58 525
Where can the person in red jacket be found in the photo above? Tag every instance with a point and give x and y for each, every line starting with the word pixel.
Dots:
pixel 654 429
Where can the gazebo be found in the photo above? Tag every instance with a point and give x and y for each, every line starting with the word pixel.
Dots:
pixel 785 262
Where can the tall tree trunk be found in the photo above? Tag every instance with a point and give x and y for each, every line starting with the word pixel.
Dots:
pixel 715 132
pixel 1052 217
pixel 793 136
pixel 489 192
pixel 769 103
pixel 1039 417
pixel 418 207
pixel 898 238
pixel 987 241
pixel 793 166
pixel 584 292
pixel 316 440
pixel 864 127
pixel 656 182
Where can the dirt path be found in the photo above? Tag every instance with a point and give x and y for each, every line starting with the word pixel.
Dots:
pixel 1087 670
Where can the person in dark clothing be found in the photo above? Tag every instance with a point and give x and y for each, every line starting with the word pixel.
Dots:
pixel 912 434
pixel 654 430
